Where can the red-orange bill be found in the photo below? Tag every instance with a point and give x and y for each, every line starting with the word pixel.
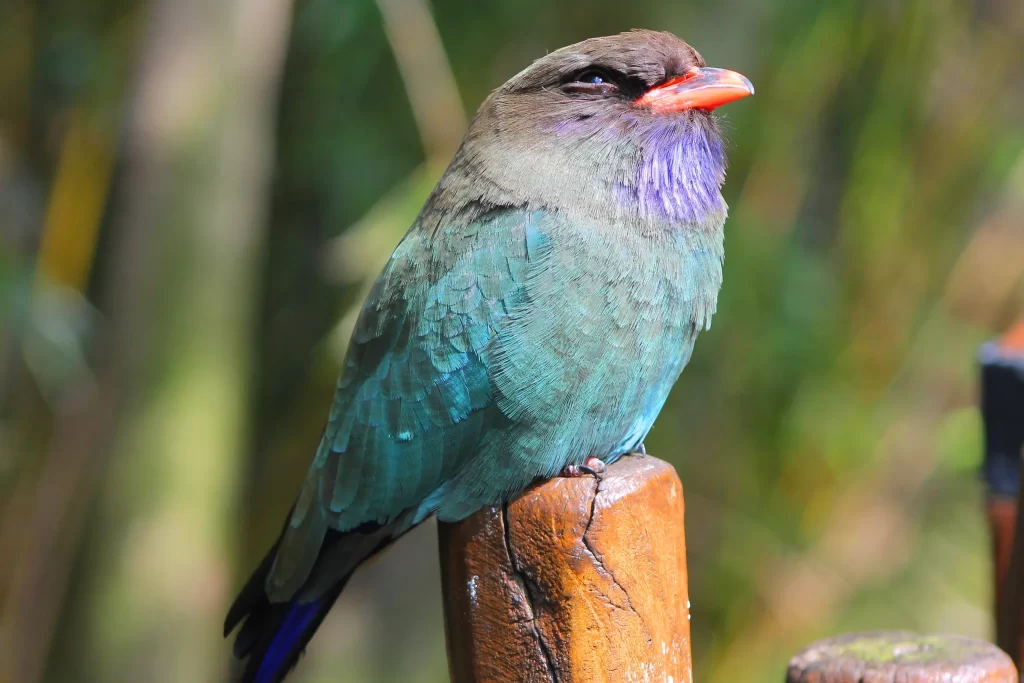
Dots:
pixel 698 88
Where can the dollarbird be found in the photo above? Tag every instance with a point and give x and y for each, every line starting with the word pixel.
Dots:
pixel 531 322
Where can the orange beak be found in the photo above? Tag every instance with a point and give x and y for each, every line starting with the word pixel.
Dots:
pixel 698 88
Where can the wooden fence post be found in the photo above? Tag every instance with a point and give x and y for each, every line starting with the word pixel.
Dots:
pixel 1010 620
pixel 577 580
pixel 901 657
pixel 1002 407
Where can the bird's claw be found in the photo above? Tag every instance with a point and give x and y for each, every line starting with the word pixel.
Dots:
pixel 592 466
pixel 593 471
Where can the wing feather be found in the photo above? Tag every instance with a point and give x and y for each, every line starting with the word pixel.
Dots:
pixel 414 396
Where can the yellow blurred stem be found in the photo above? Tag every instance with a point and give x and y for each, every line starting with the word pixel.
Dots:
pixel 76 204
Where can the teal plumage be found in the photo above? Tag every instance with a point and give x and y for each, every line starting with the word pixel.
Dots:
pixel 536 314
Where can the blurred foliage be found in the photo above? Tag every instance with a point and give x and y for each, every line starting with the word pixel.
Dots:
pixel 178 275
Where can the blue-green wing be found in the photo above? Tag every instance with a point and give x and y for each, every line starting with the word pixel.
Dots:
pixel 414 395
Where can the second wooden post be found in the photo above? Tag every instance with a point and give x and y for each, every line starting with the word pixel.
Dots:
pixel 576 580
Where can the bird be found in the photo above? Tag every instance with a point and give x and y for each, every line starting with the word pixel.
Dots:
pixel 530 324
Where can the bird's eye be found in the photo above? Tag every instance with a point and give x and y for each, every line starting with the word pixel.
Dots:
pixel 592 81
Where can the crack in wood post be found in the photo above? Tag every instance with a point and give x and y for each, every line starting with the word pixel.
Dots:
pixel 532 588
pixel 599 560
pixel 528 587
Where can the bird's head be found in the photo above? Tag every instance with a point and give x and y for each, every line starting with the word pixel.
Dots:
pixel 618 124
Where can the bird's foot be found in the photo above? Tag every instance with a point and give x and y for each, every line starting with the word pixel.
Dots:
pixel 591 466
pixel 640 451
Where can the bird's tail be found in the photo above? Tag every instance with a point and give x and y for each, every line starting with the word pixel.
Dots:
pixel 275 634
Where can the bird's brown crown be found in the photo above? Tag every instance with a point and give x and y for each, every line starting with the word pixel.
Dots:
pixel 637 60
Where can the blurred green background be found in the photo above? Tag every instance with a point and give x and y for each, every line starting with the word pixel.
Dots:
pixel 194 195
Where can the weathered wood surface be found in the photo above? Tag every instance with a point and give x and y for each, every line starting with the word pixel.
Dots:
pixel 577 580
pixel 1010 620
pixel 1002 522
pixel 901 657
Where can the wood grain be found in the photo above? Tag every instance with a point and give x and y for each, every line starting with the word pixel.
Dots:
pixel 576 580
pixel 901 657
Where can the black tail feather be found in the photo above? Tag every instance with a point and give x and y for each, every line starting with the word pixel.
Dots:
pixel 251 597
pixel 274 635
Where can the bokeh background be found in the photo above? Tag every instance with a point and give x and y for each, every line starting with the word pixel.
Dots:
pixel 194 196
